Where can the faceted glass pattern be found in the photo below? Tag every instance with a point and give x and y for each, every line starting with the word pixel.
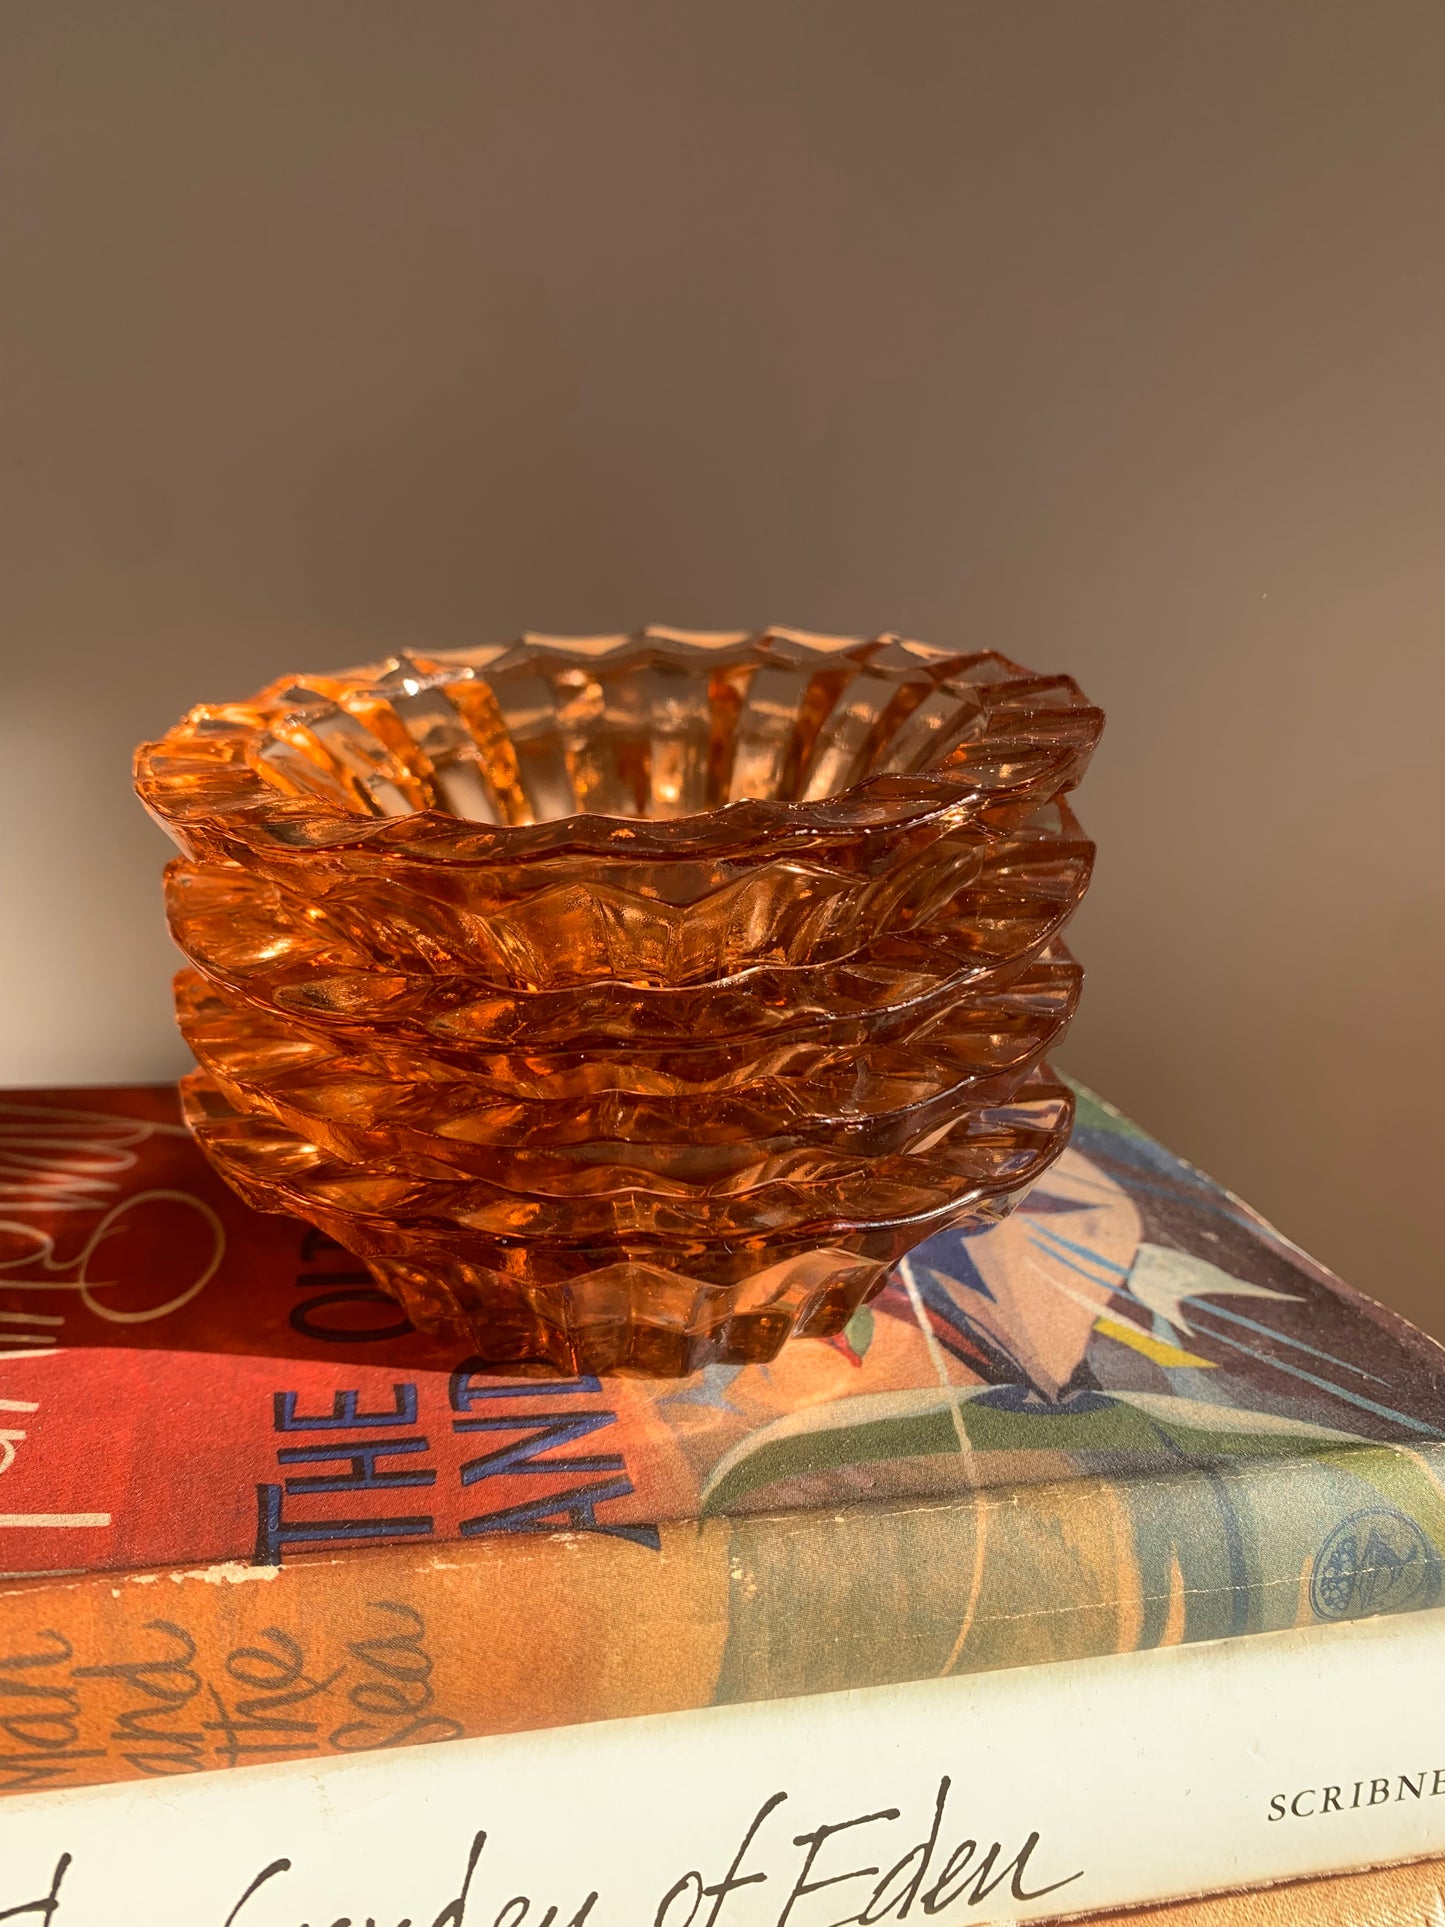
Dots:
pixel 275 949
pixel 433 1120
pixel 660 808
pixel 630 1001
pixel 638 1281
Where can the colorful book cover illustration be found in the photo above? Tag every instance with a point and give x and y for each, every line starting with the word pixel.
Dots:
pixel 247 1513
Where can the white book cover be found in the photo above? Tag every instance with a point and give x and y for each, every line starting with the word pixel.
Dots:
pixel 1010 1796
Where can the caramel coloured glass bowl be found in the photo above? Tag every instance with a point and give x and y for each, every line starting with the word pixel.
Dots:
pixel 271 948
pixel 541 974
pixel 639 1282
pixel 665 807
pixel 383 1106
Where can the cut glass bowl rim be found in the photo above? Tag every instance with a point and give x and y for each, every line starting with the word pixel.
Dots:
pixel 901 971
pixel 546 1020
pixel 757 1217
pixel 240 812
pixel 281 1089
pixel 682 1071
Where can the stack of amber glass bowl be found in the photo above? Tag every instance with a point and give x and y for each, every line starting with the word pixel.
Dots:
pixel 630 1002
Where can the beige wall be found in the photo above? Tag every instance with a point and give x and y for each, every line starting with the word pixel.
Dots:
pixel 1110 334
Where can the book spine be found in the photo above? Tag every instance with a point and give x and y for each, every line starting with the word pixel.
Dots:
pixel 112 1676
pixel 1006 1797
pixel 1412 1895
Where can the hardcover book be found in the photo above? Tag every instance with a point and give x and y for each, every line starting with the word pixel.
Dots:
pixel 1014 1795
pixel 251 1515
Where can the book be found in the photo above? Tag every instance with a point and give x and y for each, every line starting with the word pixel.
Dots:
pixel 1014 1795
pixel 1408 1895
pixel 250 1515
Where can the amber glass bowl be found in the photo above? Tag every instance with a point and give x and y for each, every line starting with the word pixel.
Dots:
pixel 275 950
pixel 660 808
pixel 639 1281
pixel 520 968
pixel 428 1118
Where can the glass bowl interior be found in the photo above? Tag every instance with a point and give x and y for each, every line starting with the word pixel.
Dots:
pixel 664 743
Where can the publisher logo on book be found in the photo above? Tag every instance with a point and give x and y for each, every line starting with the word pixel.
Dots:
pixel 1375 1561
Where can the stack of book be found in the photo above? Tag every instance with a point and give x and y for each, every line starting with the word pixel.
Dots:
pixel 1096 1566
